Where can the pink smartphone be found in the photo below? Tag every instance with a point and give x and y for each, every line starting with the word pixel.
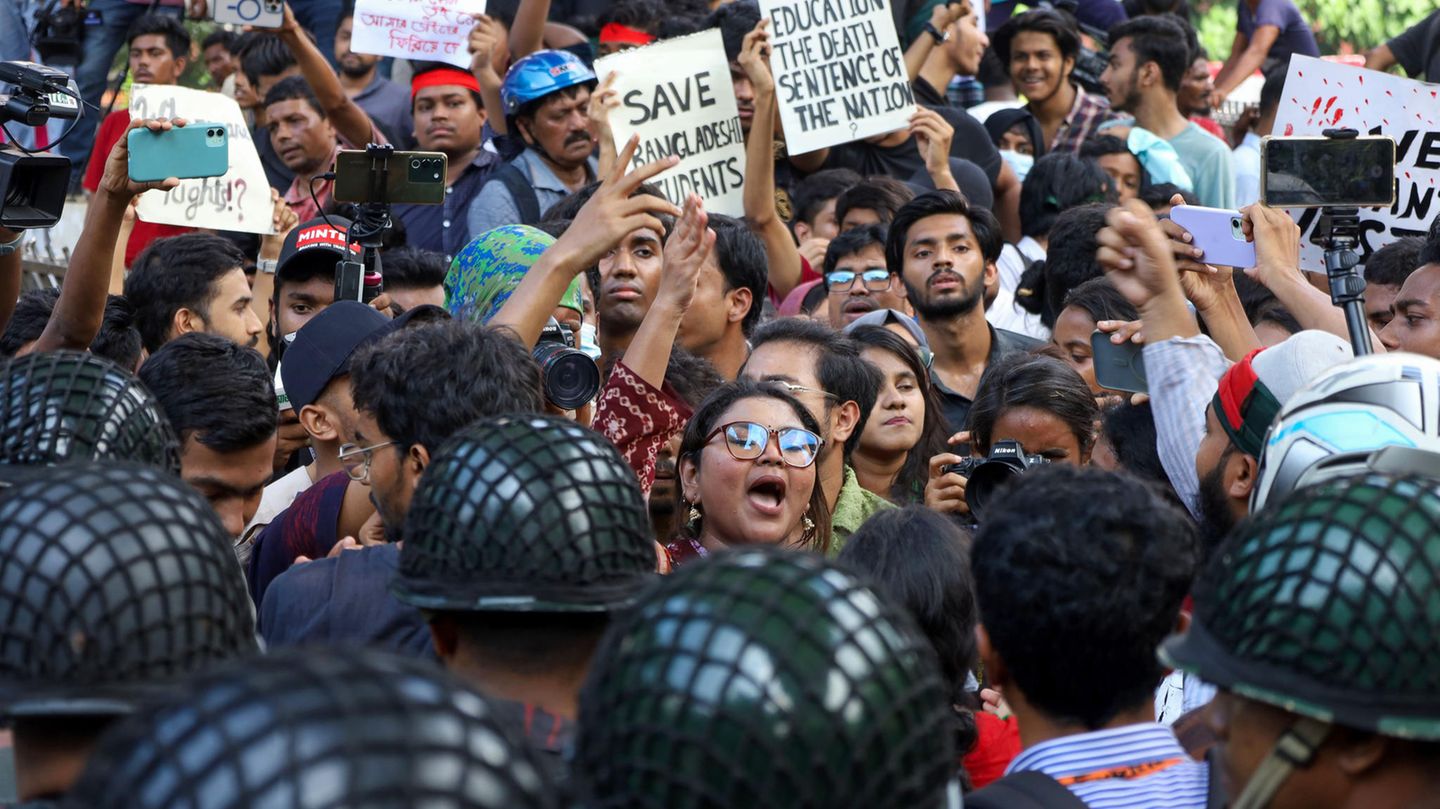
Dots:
pixel 1218 232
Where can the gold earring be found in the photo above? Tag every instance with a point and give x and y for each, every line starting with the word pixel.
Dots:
pixel 694 516
pixel 807 524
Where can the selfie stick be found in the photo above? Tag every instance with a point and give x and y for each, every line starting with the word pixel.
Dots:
pixel 1347 288
pixel 362 280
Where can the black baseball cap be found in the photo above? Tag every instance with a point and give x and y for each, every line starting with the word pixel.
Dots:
pixel 323 346
pixel 318 243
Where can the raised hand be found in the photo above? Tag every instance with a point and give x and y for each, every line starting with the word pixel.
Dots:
pixel 755 58
pixel 1140 261
pixel 615 210
pixel 690 243
pixel 116 177
pixel 485 38
pixel 1277 245
pixel 932 135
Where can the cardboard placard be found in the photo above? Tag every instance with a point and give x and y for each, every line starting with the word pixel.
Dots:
pixel 685 108
pixel 1322 95
pixel 239 200
pixel 432 30
pixel 839 72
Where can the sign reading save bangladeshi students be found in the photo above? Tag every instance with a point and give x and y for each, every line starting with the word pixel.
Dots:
pixel 678 97
pixel 1322 95
pixel 427 30
pixel 839 72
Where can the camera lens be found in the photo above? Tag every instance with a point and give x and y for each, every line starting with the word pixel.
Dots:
pixel 989 476
pixel 571 377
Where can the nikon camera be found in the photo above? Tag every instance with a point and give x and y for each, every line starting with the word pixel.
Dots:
pixel 984 475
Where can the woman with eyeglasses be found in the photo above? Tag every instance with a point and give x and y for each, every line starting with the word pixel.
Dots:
pixel 747 474
pixel 907 426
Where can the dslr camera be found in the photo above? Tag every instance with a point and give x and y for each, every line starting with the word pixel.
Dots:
pixel 984 475
pixel 32 185
pixel 571 377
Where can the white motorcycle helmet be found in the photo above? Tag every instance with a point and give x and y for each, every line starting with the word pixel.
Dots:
pixel 1332 426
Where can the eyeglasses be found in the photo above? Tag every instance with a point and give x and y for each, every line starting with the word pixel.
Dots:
pixel 874 280
pixel 356 460
pixel 747 441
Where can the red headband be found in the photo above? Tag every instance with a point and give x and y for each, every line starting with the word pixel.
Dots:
pixel 615 32
pixel 443 76
pixel 1245 406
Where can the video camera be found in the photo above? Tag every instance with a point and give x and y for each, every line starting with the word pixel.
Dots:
pixel 32 185
pixel 983 475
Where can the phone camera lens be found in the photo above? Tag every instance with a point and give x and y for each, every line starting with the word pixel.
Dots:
pixel 415 164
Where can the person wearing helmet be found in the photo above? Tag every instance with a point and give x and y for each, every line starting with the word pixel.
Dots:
pixel 320 729
pixel 1316 620
pixel 1415 326
pixel 525 534
pixel 764 679
pixel 65 406
pixel 118 581
pixel 546 96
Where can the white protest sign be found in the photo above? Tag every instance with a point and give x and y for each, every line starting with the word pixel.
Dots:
pixel 1322 95
pixel 839 72
pixel 239 200
pixel 436 30
pixel 678 97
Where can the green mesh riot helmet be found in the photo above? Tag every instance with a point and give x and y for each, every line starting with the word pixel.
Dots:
pixel 529 514
pixel 1326 604
pixel 315 729
pixel 115 580
pixel 63 406
pixel 764 678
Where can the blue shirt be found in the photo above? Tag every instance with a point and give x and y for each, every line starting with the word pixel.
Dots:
pixel 443 228
pixel 1295 34
pixel 1171 783
pixel 494 206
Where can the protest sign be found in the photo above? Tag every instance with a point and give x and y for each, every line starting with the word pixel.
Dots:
pixel 239 200
pixel 1322 95
pixel 435 30
pixel 678 97
pixel 839 72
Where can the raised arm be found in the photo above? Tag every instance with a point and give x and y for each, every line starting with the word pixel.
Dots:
pixel 685 252
pixel 602 101
pixel 485 38
pixel 760 165
pixel 1248 61
pixel 527 35
pixel 345 115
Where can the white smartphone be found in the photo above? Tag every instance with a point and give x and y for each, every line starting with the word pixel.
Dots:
pixel 1218 232
pixel 257 13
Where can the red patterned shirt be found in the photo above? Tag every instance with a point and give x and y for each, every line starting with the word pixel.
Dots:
pixel 639 419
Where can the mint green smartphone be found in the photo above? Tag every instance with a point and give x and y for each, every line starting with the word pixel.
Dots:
pixel 198 149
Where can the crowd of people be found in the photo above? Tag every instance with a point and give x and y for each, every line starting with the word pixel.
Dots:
pixel 855 513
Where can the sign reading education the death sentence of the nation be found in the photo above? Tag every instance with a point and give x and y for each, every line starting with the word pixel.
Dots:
pixel 678 97
pixel 238 200
pixel 839 72
pixel 1322 95
pixel 433 30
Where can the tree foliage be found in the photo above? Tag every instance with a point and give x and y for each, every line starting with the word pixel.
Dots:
pixel 1339 25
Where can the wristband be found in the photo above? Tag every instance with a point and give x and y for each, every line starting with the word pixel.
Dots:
pixel 267 266
pixel 935 32
pixel 6 248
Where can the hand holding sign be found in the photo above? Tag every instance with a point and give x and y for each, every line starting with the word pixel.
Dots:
pixel 116 178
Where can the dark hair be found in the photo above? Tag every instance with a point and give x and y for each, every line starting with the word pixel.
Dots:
pixel 424 383
pixel 1039 382
pixel 1430 253
pixel 693 378
pixel 642 15
pixel 1158 39
pixel 294 88
pixel 1079 574
pixel 851 242
pixel 675 24
pixel 1273 89
pixel 1069 262
pixel 1393 263
pixel 1098 146
pixel 1056 183
pixel 910 481
pixel 936 203
pixel 1101 301
pixel 177 39
pixel 414 268
pixel 1158 195
pixel 531 107
pixel 1041 21
pixel 921 561
pixel 221 37
pixel 812 298
pixel 422 68
pixel 264 55
pixel 569 206
pixel 707 418
pixel 118 339
pixel 214 389
pixel 734 20
pixel 741 256
pixel 811 193
pixel 177 273
pixel 883 195
pixel 1129 429
pixel 840 370
pixel 1277 314
pixel 530 641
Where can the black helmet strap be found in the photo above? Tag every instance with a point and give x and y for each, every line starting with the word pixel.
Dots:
pixel 1294 750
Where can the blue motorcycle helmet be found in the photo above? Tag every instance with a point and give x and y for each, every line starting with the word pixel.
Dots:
pixel 541 74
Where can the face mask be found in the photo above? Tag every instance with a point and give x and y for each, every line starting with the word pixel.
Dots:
pixel 588 343
pixel 1020 163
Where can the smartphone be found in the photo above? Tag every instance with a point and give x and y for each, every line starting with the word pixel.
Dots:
pixel 1314 172
pixel 411 178
pixel 257 13
pixel 1218 232
pixel 198 149
pixel 1118 367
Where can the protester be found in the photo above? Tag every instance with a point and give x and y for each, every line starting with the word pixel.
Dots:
pixel 1114 157
pixel 1038 50
pixel 1267 34
pixel 1385 272
pixel 1415 326
pixel 1417 50
pixel 118 340
pixel 856 277
pixel 1069 261
pixel 906 428
pixel 813 203
pixel 872 201
pixel 628 24
pixel 192 283
pixel 263 61
pixel 1092 302
pixel 218 52
pixel 386 102
pixel 1126 443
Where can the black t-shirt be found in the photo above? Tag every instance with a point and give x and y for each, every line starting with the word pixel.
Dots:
pixel 971 142
pixel 1418 49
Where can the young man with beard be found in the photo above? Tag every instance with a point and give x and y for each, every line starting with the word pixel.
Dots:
pixel 1038 50
pixel 945 252
pixel 191 283
pixel 386 102
pixel 959 54
pixel 857 279
pixel 1148 59
pixel 1196 91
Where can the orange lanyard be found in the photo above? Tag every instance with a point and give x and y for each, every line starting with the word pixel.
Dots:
pixel 1128 772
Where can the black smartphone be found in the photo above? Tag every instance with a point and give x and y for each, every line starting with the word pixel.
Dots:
pixel 1118 367
pixel 1313 172
pixel 410 178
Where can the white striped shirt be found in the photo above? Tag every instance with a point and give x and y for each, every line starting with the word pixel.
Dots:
pixel 1178 785
pixel 1182 374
